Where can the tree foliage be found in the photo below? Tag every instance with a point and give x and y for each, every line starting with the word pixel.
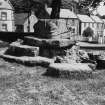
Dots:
pixel 81 5
pixel 88 32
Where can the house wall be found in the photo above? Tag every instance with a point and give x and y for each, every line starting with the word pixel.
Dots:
pixel 98 29
pixel 98 32
pixel 9 21
pixel 63 28
pixel 74 24
pixel 68 25
pixel 10 17
pixel 85 25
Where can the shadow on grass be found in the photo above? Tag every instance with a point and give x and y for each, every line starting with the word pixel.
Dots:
pixel 26 63
pixel 68 75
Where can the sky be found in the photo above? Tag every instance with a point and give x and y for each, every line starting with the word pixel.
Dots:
pixel 101 9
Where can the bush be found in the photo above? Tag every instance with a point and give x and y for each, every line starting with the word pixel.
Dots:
pixel 88 32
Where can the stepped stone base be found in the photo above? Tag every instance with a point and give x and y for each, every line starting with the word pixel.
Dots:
pixel 17 49
pixel 54 43
pixel 28 61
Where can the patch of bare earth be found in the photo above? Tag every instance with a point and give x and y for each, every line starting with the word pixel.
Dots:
pixel 20 85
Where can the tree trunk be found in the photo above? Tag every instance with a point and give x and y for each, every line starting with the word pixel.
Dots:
pixel 56 4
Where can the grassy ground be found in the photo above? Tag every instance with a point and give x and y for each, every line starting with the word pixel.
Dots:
pixel 20 85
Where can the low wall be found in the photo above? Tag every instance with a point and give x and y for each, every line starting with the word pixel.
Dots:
pixel 13 36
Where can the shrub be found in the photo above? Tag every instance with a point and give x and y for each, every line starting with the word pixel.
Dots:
pixel 88 32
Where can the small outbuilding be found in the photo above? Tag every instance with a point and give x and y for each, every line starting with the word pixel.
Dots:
pixel 84 22
pixel 25 23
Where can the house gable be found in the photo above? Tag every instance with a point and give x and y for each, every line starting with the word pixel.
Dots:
pixel 6 4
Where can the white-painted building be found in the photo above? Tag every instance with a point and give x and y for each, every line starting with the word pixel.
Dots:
pixel 99 25
pixel 6 16
pixel 85 22
pixel 25 23
pixel 103 31
pixel 99 28
pixel 67 25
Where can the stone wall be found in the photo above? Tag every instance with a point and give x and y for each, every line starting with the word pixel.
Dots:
pixel 72 55
pixel 64 55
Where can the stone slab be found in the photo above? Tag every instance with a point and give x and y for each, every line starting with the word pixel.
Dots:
pixel 48 42
pixel 73 70
pixel 29 61
pixel 17 49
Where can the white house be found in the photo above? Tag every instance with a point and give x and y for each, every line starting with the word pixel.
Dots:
pixel 68 24
pixel 25 23
pixel 99 24
pixel 99 28
pixel 6 16
pixel 103 31
pixel 85 21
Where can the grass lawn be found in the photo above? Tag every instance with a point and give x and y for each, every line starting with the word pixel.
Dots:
pixel 20 85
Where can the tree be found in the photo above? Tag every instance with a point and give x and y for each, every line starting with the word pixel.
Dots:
pixel 85 5
pixel 88 32
pixel 56 4
pixel 89 5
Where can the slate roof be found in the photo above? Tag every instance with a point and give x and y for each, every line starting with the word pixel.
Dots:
pixel 20 18
pixel 84 18
pixel 96 19
pixel 64 13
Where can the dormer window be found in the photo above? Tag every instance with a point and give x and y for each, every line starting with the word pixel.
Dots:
pixel 3 15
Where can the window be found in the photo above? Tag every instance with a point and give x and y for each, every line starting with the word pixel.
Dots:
pixel 19 28
pixel 84 24
pixel 73 30
pixel 4 27
pixel 4 15
pixel 92 24
pixel 97 25
pixel 73 22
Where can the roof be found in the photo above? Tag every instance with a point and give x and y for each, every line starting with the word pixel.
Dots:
pixel 6 4
pixel 84 18
pixel 64 13
pixel 96 19
pixel 20 18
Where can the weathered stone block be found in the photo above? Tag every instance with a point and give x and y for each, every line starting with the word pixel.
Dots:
pixel 28 61
pixel 68 70
pixel 48 42
pixel 16 49
pixel 32 41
